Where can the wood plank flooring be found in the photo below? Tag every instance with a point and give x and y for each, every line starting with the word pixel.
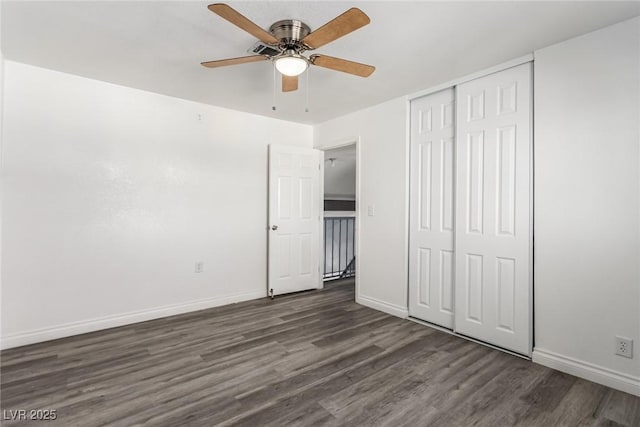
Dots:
pixel 314 358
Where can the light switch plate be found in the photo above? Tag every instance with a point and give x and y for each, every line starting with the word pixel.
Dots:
pixel 371 210
pixel 199 266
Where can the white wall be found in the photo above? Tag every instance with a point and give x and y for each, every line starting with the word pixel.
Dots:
pixel 340 179
pixel 382 170
pixel 340 174
pixel 112 194
pixel 587 202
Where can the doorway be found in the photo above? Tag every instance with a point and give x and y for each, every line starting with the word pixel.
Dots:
pixel 339 215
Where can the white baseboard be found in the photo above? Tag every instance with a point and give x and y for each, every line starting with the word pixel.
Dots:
pixel 392 309
pixel 97 324
pixel 597 374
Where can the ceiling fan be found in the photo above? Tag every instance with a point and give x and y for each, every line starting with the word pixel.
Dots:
pixel 288 39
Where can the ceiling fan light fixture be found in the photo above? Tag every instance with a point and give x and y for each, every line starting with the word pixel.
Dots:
pixel 291 65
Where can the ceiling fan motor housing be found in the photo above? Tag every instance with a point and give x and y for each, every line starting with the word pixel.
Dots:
pixel 290 32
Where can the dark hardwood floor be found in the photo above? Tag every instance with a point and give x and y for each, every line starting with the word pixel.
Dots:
pixel 315 358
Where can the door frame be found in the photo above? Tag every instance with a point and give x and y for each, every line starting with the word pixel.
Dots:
pixel 339 143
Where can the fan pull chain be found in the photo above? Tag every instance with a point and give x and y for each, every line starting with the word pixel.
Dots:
pixel 306 108
pixel 273 106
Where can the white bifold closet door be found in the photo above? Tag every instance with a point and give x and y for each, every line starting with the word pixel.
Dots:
pixel 493 252
pixel 432 214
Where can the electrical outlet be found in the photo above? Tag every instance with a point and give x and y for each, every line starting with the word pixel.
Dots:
pixel 199 266
pixel 624 347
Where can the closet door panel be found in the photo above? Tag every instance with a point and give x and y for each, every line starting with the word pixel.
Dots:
pixel 432 209
pixel 492 243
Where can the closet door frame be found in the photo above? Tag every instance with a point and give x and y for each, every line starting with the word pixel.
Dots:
pixel 451 84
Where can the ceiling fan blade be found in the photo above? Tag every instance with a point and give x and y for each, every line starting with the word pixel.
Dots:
pixel 289 83
pixel 234 61
pixel 241 21
pixel 337 64
pixel 349 21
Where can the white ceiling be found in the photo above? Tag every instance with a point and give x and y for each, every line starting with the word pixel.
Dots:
pixel 157 46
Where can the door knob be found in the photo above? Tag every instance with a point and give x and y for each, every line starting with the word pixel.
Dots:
pixel 274 227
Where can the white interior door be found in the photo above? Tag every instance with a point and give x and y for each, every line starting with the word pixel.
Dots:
pixel 294 219
pixel 431 222
pixel 493 200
